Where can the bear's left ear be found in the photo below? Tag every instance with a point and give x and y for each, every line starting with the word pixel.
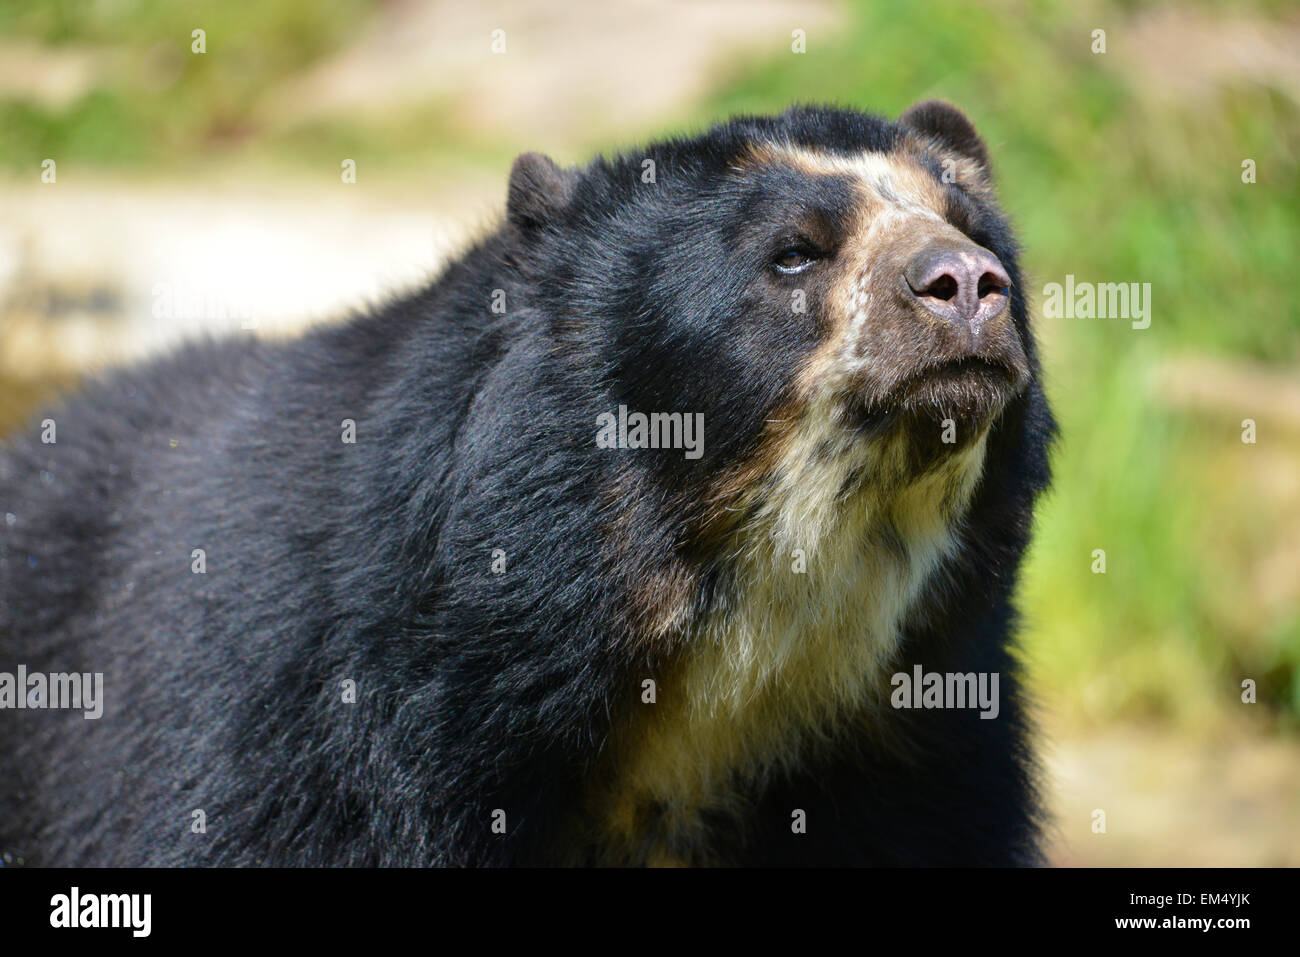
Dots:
pixel 538 190
pixel 949 125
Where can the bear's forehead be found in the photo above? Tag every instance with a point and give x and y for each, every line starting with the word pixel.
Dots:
pixel 897 178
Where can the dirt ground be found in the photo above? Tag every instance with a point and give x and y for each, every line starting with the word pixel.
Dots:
pixel 1232 799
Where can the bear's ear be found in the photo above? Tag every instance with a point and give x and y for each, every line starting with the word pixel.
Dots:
pixel 949 125
pixel 538 190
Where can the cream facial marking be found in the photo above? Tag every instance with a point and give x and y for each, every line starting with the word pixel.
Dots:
pixel 900 211
pixel 895 179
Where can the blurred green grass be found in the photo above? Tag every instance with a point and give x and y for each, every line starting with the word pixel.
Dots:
pixel 160 108
pixel 158 103
pixel 1109 177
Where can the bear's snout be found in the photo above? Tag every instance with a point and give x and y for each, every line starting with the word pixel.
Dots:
pixel 961 283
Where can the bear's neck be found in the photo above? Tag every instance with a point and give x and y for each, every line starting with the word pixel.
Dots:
pixel 824 572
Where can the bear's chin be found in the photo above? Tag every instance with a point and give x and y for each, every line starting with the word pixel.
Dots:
pixel 940 410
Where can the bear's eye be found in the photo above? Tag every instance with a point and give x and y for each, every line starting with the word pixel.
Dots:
pixel 794 259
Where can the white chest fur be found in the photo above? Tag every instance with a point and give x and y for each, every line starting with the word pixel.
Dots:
pixel 827 564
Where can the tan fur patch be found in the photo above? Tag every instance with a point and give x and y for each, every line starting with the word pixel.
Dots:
pixel 900 211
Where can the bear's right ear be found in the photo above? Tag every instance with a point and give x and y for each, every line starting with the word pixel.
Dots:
pixel 538 190
pixel 949 125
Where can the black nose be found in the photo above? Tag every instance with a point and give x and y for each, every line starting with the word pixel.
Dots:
pixel 959 282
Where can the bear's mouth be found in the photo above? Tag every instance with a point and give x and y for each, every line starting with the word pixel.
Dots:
pixel 956 380
pixel 968 390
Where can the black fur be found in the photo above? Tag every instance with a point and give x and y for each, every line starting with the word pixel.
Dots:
pixel 372 562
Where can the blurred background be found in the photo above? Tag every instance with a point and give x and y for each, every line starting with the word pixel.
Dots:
pixel 300 157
